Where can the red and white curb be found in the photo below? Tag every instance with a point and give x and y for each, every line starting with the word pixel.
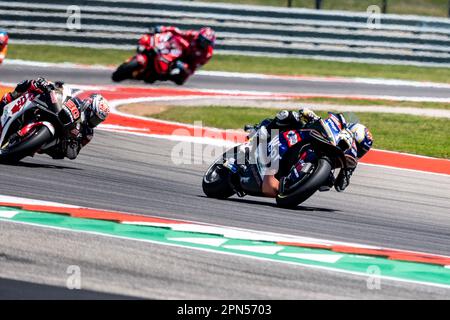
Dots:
pixel 223 231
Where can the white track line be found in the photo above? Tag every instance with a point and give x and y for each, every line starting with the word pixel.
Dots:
pixel 329 269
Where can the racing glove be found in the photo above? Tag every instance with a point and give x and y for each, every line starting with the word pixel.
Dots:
pixel 283 119
pixel 307 115
pixel 43 85
pixel 343 179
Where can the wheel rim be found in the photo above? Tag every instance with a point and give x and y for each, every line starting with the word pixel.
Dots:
pixel 213 174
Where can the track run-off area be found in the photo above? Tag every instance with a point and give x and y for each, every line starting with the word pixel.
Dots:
pixel 131 214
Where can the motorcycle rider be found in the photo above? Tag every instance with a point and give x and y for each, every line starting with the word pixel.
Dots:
pixel 83 114
pixel 197 47
pixel 356 142
pixel 3 45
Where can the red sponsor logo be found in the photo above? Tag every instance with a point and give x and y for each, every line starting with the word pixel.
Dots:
pixel 104 108
pixel 20 103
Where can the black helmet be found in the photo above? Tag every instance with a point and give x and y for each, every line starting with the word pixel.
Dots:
pixel 206 37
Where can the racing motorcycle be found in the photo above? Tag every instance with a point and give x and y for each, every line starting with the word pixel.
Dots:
pixel 307 158
pixel 32 123
pixel 153 61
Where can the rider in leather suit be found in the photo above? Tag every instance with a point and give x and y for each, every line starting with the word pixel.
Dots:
pixel 197 49
pixel 89 112
pixel 250 181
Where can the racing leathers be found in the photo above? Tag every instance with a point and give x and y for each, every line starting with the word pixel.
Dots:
pixel 250 181
pixel 77 133
pixel 193 55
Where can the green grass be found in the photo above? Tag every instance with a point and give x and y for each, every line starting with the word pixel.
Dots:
pixel 383 103
pixel 403 133
pixel 46 53
pixel 419 7
pixel 235 63
pixel 309 67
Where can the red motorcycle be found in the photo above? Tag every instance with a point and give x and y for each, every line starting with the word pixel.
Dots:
pixel 156 56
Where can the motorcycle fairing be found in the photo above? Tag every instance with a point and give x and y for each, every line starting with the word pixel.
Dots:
pixel 168 50
pixel 14 110
pixel 17 108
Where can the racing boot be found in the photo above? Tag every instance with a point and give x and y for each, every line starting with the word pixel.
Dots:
pixel 343 179
pixel 250 180
pixel 233 167
pixel 245 179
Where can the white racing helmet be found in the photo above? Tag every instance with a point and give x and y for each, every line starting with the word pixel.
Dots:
pixel 97 109
pixel 363 138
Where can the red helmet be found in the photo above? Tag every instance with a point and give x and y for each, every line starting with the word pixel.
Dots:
pixel 206 37
pixel 3 39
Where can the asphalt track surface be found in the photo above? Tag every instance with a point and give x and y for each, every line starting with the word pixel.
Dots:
pixel 16 73
pixel 384 207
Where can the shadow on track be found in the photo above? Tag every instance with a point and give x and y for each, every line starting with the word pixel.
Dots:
pixel 23 290
pixel 273 205
pixel 37 165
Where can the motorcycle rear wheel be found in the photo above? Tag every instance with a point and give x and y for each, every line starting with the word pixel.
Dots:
pixel 308 188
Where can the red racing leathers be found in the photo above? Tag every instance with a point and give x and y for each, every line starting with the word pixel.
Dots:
pixel 192 57
pixel 78 134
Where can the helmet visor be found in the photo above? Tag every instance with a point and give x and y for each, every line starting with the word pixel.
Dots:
pixel 203 42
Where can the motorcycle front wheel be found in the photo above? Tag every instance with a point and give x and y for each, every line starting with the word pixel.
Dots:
pixel 125 71
pixel 294 196
pixel 28 147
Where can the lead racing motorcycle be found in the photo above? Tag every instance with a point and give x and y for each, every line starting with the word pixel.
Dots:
pixel 33 123
pixel 155 57
pixel 305 160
